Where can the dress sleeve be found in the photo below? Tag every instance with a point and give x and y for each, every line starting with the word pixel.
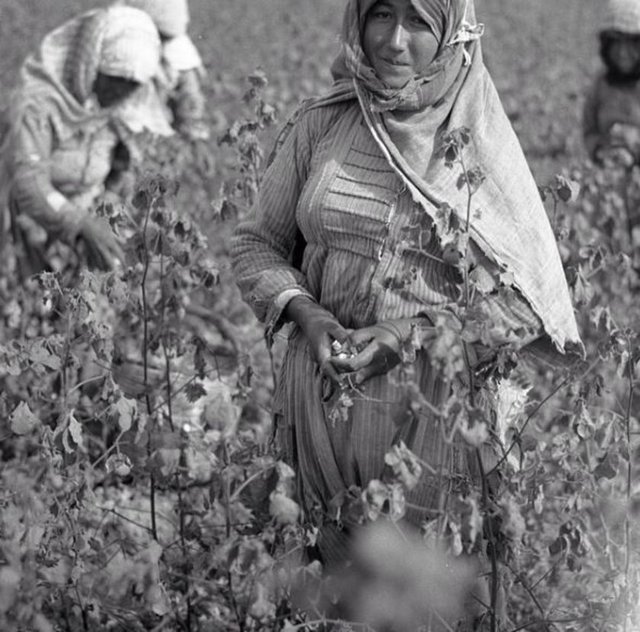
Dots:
pixel 31 189
pixel 262 246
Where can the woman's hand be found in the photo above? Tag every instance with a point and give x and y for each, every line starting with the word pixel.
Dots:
pixel 101 247
pixel 320 327
pixel 380 349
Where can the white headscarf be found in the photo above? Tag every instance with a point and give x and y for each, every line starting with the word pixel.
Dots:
pixel 623 16
pixel 171 17
pixel 130 45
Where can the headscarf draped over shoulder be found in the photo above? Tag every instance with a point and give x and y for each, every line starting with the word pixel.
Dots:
pixel 57 80
pixel 511 225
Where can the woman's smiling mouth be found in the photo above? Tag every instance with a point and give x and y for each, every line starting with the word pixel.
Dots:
pixel 395 63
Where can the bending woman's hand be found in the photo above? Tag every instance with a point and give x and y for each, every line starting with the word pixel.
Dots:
pixel 91 235
pixel 320 327
pixel 101 246
pixel 380 348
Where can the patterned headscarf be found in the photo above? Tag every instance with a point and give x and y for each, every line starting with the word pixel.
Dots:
pixel 623 16
pixel 447 19
pixel 512 228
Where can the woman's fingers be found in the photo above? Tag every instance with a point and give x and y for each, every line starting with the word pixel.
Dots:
pixel 327 368
pixel 339 333
pixel 361 336
pixel 324 357
pixel 365 373
pixel 358 361
pixel 323 348
pixel 116 252
pixel 103 257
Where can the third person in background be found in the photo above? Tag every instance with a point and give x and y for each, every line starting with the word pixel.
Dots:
pixel 177 89
pixel 612 109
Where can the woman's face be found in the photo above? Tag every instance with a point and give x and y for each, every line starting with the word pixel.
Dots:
pixel 624 54
pixel 398 42
pixel 110 90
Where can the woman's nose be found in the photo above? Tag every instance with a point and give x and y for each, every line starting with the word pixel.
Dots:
pixel 399 37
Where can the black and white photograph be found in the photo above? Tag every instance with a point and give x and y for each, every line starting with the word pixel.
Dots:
pixel 319 316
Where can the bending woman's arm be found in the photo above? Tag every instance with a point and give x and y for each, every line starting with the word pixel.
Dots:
pixel 33 194
pixel 31 189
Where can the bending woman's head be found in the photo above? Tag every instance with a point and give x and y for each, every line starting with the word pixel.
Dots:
pixel 128 54
pixel 620 40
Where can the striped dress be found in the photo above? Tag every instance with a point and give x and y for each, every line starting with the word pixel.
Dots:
pixel 370 256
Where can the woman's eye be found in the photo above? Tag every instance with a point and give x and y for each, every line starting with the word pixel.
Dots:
pixel 418 22
pixel 381 14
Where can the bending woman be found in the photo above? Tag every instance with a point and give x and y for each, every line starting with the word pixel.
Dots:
pixel 68 138
pixel 358 180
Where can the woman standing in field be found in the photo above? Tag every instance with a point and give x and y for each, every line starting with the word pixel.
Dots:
pixel 358 179
pixel 68 138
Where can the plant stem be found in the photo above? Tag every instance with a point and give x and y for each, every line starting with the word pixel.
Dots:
pixel 627 522
pixel 145 364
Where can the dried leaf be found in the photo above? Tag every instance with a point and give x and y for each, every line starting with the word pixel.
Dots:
pixel 9 585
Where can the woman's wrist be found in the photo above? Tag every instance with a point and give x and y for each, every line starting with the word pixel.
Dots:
pixel 297 307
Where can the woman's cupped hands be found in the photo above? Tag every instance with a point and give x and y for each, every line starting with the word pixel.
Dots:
pixel 374 350
pixel 353 355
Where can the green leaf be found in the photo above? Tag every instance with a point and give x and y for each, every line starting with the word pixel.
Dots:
pixel 23 421
pixel 39 354
pixel 482 280
pixel 73 429
pixel 606 468
pixel 567 190
pixel 9 585
pixel 10 359
pixel 194 391
pixel 119 464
